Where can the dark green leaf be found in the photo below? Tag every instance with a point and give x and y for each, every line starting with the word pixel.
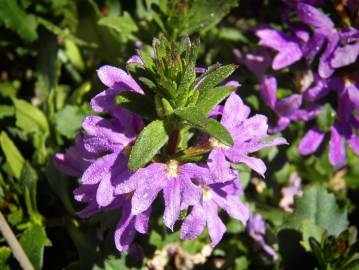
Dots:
pixel 33 241
pixel 137 103
pixel 218 131
pixel 12 154
pixel 318 206
pixel 124 24
pixel 147 145
pixel 17 19
pixel 214 78
pixel 193 116
pixel 213 97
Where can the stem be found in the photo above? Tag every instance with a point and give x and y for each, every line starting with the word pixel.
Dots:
pixel 173 142
pixel 14 244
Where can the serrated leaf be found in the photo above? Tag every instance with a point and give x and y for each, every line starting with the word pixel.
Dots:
pixel 218 131
pixel 213 97
pixel 214 78
pixel 147 145
pixel 137 103
pixel 17 19
pixel 69 120
pixel 30 118
pixel 309 229
pixel 33 241
pixel 12 154
pixel 193 116
pixel 319 207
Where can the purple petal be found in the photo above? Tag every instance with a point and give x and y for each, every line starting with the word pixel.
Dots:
pixel 216 228
pixel 287 57
pixel 313 46
pixel 336 148
pixel 219 167
pixel 141 221
pixel 85 193
pixel 105 191
pixel 255 164
pixel 289 105
pixel 125 230
pixel 282 123
pixel 104 101
pixel 101 145
pixel 172 198
pixel 135 59
pixel 345 56
pixel 311 141
pixel 194 224
pixel 117 79
pixel 314 17
pixel 194 171
pixel 190 193
pixel 353 142
pixel 325 69
pixel 66 166
pixel 152 180
pixel 268 91
pixel 234 111
pixel 236 208
pixel 98 169
pixel 353 93
pixel 261 145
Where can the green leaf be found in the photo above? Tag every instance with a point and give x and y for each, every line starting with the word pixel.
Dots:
pixel 218 131
pixel 30 118
pixel 214 78
pixel 213 97
pixel 326 118
pixel 124 24
pixel 9 89
pixel 69 120
pixel 192 115
pixel 5 253
pixel 309 229
pixel 33 241
pixel 6 111
pixel 12 154
pixel 17 19
pixel 74 54
pixel 137 103
pixel 319 207
pixel 147 145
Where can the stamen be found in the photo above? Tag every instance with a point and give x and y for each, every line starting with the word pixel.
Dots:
pixel 172 168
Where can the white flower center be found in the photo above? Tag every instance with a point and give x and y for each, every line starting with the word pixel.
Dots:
pixel 207 193
pixel 172 168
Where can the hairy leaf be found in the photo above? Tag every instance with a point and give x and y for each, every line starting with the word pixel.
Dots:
pixel 213 97
pixel 218 131
pixel 192 115
pixel 147 145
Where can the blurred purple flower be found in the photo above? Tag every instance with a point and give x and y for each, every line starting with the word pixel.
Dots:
pixel 256 228
pixel 288 109
pixel 294 189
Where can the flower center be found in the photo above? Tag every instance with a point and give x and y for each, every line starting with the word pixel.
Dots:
pixel 207 194
pixel 172 168
pixel 214 143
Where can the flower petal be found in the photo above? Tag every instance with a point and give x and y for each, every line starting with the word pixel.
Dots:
pixel 289 105
pixel 234 111
pixel 311 141
pixel 98 169
pixel 219 167
pixel 105 191
pixel 190 193
pixel 125 230
pixel 336 148
pixel 118 79
pixel 194 224
pixel 315 17
pixel 268 91
pixel 172 198
pixel 216 228
pixel 151 180
pixel 141 221
pixel 344 56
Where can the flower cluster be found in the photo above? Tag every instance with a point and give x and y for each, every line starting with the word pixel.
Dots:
pixel 168 134
pixel 322 58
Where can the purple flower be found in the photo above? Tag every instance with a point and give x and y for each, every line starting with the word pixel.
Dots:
pixel 248 135
pixel 288 48
pixel 341 131
pixel 205 212
pixel 256 229
pixel 173 179
pixel 287 109
pixel 294 189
